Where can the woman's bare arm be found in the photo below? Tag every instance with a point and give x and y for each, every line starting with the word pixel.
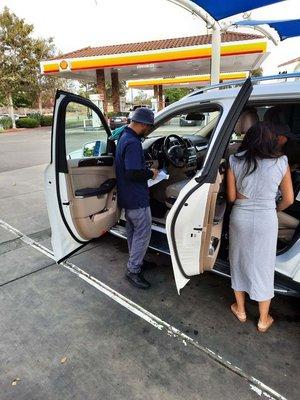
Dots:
pixel 287 192
pixel 231 189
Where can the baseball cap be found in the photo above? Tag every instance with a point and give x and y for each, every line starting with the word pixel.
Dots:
pixel 143 115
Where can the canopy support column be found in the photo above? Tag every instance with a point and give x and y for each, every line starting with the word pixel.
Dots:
pixel 115 89
pixel 101 87
pixel 160 98
pixel 215 54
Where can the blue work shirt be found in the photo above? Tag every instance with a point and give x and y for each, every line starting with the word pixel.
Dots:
pixel 130 156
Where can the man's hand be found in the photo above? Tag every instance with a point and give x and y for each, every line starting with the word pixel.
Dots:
pixel 155 173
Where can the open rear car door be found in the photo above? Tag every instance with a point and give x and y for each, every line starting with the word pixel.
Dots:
pixel 80 182
pixel 194 223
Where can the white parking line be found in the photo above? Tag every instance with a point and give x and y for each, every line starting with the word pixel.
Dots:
pixel 257 386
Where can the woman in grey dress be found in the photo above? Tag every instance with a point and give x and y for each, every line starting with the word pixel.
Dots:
pixel 254 176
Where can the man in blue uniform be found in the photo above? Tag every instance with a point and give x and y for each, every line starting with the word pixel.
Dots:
pixel 133 193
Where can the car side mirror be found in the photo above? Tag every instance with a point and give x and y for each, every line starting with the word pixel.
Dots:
pixel 93 149
pixel 195 116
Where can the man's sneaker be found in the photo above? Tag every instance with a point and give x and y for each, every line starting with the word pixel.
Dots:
pixel 137 280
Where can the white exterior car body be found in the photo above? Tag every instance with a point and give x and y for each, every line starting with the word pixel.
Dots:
pixel 185 222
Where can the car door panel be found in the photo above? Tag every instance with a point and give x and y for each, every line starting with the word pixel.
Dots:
pixel 75 219
pixel 194 223
pixel 212 224
pixel 92 215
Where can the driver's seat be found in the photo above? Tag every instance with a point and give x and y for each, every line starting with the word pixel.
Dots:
pixel 172 191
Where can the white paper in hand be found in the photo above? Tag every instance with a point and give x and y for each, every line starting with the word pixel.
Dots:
pixel 298 196
pixel 160 177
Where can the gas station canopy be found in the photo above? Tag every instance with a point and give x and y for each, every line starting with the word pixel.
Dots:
pixel 220 9
pixel 160 58
pixel 184 81
pixel 285 28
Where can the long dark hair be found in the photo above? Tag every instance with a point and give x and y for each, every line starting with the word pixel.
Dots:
pixel 260 141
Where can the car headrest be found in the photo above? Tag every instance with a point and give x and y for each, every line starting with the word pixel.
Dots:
pixel 245 121
pixel 275 115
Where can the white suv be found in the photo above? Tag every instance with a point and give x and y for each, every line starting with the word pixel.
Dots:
pixel 190 213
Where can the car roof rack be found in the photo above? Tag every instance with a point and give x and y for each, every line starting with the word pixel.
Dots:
pixel 254 79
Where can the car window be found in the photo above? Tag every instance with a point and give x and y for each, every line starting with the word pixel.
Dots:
pixel 184 124
pixel 85 134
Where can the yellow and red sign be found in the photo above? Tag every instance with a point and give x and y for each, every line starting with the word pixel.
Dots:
pixel 147 57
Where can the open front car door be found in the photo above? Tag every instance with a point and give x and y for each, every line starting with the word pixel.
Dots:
pixel 194 223
pixel 80 182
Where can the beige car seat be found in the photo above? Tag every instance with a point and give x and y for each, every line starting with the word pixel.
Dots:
pixel 286 226
pixel 248 118
pixel 286 223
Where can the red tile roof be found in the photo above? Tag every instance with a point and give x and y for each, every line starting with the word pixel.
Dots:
pixel 156 45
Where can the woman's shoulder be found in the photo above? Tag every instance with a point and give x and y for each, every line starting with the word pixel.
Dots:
pixel 236 161
pixel 276 160
pixel 237 156
pixel 283 159
pixel 280 164
pixel 283 163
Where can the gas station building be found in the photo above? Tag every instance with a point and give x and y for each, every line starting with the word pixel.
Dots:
pixel 160 63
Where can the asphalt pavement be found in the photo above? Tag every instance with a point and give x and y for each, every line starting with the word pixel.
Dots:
pixel 80 331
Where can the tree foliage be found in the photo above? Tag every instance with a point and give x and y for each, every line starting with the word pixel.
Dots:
pixel 21 82
pixel 16 50
pixel 86 89
pixel 122 89
pixel 175 94
pixel 141 99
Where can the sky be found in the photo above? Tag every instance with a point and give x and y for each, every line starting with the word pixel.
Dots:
pixel 75 24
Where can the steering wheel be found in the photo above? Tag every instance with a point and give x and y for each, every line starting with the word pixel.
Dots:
pixel 176 154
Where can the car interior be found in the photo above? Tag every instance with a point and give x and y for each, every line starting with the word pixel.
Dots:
pixel 164 194
pixel 92 190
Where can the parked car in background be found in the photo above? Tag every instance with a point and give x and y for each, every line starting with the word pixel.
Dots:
pixel 186 122
pixel 117 121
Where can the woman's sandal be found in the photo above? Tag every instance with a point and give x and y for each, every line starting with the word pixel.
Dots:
pixel 242 317
pixel 263 328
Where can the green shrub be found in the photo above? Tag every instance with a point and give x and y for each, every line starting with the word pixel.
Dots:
pixel 46 120
pixel 35 115
pixel 6 122
pixel 27 122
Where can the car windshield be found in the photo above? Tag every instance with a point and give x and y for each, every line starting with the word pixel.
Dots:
pixel 184 124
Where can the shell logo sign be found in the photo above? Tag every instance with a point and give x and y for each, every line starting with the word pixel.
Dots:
pixel 63 65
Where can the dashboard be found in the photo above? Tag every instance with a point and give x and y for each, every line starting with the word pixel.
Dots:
pixel 154 153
